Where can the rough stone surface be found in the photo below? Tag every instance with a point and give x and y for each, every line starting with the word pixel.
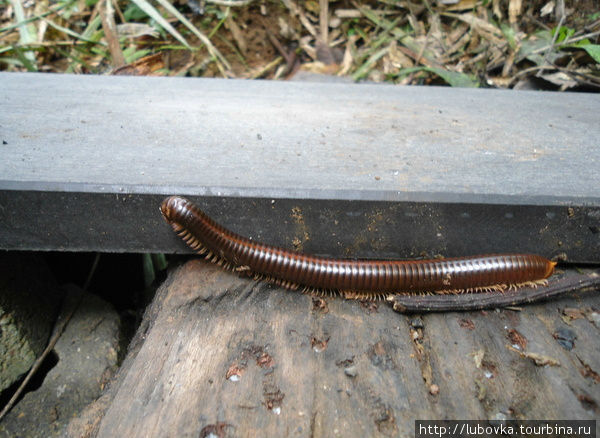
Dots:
pixel 87 357
pixel 29 301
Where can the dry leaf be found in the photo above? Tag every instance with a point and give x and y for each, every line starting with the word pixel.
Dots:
pixel 485 29
pixel 136 30
pixel 461 5
pixel 478 357
pixel 541 360
pixel 142 67
pixel 561 79
pixel 547 9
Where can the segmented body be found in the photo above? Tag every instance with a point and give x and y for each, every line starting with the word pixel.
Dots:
pixel 364 278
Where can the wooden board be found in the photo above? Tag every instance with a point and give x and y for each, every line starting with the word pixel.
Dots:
pixel 373 170
pixel 311 367
pixel 211 137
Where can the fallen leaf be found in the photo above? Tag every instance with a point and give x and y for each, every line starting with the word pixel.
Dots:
pixel 517 338
pixel 478 357
pixel 547 9
pixel 136 30
pixel 142 67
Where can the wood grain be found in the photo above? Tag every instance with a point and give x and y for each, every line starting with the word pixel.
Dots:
pixel 309 367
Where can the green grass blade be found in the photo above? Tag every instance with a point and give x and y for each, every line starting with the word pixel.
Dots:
pixel 27 34
pixel 593 50
pixel 155 15
pixel 368 65
pixel 205 40
pixel 35 17
pixel 92 27
pixel 22 56
pixel 71 33
pixel 452 78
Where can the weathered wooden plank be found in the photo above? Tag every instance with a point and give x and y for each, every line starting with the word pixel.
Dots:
pixel 457 171
pixel 308 367
pixel 315 140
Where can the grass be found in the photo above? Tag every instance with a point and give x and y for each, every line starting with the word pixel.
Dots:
pixel 488 43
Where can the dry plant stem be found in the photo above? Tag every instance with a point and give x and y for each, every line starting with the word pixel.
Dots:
pixel 589 80
pixel 58 331
pixel 290 58
pixel 110 32
pixel 324 21
pixel 237 34
pixel 581 78
pixel 265 69
pixel 119 11
pixel 295 10
pixel 229 2
pixel 54 43
pixel 527 71
pixel 419 58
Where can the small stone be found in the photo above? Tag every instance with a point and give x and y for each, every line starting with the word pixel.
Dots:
pixel 351 371
pixel 565 337
pixel 417 323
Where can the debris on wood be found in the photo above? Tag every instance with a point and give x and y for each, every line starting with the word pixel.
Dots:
pixel 517 340
pixel 539 359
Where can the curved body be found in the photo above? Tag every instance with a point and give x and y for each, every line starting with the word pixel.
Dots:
pixel 363 276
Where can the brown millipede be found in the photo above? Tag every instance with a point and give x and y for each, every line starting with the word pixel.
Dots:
pixel 352 278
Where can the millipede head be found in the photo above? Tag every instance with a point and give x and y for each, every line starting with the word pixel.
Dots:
pixel 173 207
pixel 550 268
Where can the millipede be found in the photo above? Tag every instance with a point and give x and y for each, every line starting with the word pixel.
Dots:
pixel 357 279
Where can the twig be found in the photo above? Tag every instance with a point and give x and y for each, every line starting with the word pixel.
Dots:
pixel 110 32
pixel 290 58
pixel 589 80
pixel 58 331
pixel 579 38
pixel 566 42
pixel 229 2
pixel 569 281
pixel 119 11
pixel 527 71
pixel 421 50
pixel 294 9
pixel 324 21
pixel 263 70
